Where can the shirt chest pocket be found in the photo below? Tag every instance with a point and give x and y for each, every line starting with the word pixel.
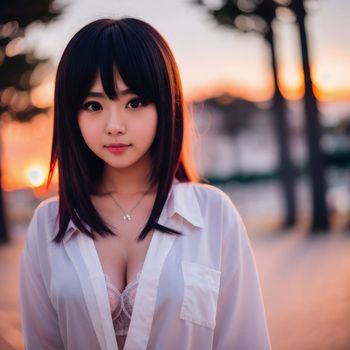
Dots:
pixel 201 290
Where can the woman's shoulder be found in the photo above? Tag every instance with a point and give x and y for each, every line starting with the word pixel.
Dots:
pixel 48 207
pixel 209 194
pixel 45 215
pixel 42 225
pixel 211 200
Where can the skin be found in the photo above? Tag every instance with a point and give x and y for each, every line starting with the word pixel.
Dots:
pixel 125 120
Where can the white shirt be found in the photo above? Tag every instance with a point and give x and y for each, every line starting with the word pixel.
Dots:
pixel 199 290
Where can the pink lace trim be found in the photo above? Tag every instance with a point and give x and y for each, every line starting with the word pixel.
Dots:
pixel 121 304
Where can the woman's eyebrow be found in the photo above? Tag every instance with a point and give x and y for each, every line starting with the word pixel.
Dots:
pixel 101 94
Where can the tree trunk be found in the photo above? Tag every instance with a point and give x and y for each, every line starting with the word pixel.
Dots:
pixel 286 169
pixel 313 132
pixel 4 238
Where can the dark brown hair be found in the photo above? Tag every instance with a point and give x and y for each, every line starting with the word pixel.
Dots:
pixel 146 64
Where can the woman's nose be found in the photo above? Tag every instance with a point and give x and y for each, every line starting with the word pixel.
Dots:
pixel 115 124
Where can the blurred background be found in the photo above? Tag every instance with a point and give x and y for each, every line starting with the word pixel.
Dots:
pixel 267 83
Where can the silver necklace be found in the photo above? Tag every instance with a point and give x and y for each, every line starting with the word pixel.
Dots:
pixel 127 216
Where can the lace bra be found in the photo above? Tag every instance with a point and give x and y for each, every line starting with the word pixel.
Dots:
pixel 121 304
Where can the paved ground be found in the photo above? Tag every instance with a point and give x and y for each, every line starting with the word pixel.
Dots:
pixel 306 288
pixel 305 282
pixel 10 329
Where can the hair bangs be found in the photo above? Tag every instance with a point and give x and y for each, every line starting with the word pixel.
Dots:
pixel 117 51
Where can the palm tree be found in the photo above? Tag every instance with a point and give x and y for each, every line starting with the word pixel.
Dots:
pixel 313 128
pixel 258 16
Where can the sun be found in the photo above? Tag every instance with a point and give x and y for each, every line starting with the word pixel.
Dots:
pixel 36 176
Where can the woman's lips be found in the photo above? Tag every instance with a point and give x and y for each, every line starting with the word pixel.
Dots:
pixel 117 148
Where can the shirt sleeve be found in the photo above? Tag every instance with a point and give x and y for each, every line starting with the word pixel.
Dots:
pixel 38 317
pixel 240 318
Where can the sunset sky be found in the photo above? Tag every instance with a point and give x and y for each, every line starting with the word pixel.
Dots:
pixel 210 58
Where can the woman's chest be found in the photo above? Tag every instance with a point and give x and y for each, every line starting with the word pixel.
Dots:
pixel 179 284
pixel 122 257
pixel 82 259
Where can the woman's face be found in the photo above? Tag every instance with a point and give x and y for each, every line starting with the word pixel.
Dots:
pixel 119 131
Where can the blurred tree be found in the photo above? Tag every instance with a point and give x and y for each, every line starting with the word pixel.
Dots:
pixel 313 126
pixel 257 16
pixel 229 105
pixel 20 70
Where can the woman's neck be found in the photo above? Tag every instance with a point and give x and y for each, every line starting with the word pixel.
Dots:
pixel 126 181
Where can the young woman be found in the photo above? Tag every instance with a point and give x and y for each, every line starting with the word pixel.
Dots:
pixel 134 253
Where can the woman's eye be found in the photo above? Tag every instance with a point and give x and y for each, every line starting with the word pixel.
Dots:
pixel 92 106
pixel 136 103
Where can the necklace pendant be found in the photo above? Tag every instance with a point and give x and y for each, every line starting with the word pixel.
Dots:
pixel 126 217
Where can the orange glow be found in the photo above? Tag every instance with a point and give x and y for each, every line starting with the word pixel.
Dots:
pixel 330 83
pixel 245 92
pixel 25 179
pixel 42 96
pixel 291 81
pixel 36 175
pixel 331 78
pixel 329 95
pixel 26 146
pixel 326 87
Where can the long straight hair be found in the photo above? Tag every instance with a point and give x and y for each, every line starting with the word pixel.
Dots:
pixel 146 64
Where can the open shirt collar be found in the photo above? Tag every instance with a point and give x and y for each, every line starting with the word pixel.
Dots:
pixel 181 200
